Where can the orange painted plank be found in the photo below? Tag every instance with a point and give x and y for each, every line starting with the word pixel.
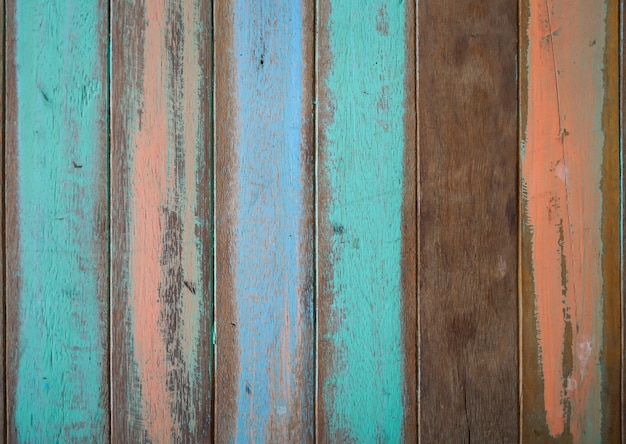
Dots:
pixel 161 221
pixel 570 207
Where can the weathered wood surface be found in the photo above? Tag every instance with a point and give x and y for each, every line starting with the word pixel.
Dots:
pixel 367 216
pixel 57 219
pixel 571 221
pixel 161 198
pixel 468 221
pixel 361 185
pixel 264 221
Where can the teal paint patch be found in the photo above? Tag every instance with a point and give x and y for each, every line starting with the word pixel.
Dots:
pixel 365 152
pixel 61 176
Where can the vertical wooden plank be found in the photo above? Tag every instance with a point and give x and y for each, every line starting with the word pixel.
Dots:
pixel 57 224
pixel 571 220
pixel 367 221
pixel 468 221
pixel 264 221
pixel 161 197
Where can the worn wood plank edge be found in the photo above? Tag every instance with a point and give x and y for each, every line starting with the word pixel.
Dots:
pixel 9 205
pixel 3 392
pixel 622 172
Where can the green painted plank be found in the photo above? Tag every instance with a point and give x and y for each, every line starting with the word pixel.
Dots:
pixel 161 203
pixel 57 218
pixel 366 189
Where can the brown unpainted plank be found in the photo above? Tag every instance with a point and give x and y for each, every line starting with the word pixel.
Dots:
pixel 571 274
pixel 161 221
pixel 367 221
pixel 468 233
pixel 56 221
pixel 264 221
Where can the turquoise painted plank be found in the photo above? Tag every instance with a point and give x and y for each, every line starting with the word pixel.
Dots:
pixel 366 226
pixel 57 281
pixel 265 372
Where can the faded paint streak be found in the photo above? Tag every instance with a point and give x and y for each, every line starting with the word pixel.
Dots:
pixel 364 152
pixel 149 174
pixel 272 272
pixel 561 173
pixel 61 178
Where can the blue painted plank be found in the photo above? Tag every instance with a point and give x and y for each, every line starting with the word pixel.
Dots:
pixel 264 343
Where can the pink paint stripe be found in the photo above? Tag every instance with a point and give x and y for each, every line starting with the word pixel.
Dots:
pixel 562 173
pixel 149 175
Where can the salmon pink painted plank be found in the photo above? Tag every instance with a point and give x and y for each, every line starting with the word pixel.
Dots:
pixel 57 236
pixel 570 186
pixel 264 344
pixel 162 216
pixel 366 187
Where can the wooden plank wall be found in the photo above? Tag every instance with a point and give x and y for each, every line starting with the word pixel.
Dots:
pixel 312 221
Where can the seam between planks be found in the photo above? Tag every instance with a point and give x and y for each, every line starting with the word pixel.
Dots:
pixel 109 203
pixel 316 221
pixel 3 235
pixel 213 216
pixel 622 218
pixel 520 311
pixel 417 225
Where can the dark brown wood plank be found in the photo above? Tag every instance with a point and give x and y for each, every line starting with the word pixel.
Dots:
pixel 367 221
pixel 468 228
pixel 56 221
pixel 161 204
pixel 265 380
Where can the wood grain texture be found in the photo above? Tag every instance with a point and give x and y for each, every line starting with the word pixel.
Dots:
pixel 264 221
pixel 571 236
pixel 57 224
pixel 161 198
pixel 367 221
pixel 468 221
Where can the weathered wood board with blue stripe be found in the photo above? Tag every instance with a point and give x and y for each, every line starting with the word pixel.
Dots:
pixel 265 362
pixel 367 221
pixel 161 224
pixel 570 173
pixel 57 281
pixel 312 221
